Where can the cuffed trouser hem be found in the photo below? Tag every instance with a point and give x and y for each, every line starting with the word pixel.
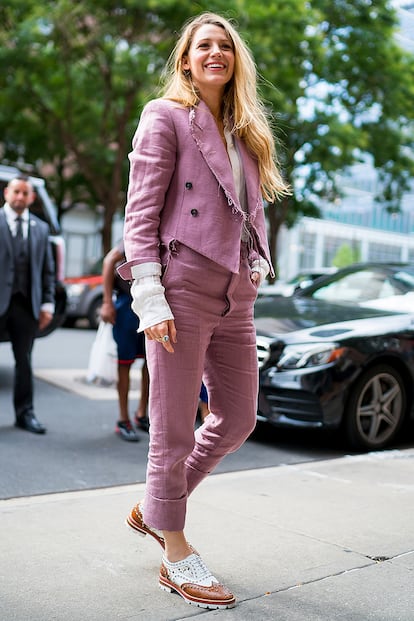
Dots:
pixel 170 514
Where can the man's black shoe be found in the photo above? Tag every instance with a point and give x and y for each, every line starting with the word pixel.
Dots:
pixel 30 423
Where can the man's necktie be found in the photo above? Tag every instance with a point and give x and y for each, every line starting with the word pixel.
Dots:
pixel 19 228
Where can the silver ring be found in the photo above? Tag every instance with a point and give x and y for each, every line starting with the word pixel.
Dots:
pixel 165 338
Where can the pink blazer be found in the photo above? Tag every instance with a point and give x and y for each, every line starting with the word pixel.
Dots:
pixel 181 188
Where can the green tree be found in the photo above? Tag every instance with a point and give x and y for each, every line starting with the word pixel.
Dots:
pixel 75 77
pixel 346 255
pixel 342 91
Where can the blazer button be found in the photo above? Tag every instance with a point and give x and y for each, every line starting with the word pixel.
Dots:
pixel 194 212
pixel 189 185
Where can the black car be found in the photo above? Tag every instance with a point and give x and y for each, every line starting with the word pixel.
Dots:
pixel 335 366
pixel 44 209
pixel 301 280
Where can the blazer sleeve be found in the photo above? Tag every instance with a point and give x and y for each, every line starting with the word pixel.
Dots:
pixel 152 164
pixel 48 275
pixel 41 265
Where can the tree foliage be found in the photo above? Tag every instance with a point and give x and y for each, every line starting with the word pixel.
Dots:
pixel 344 92
pixel 76 74
pixel 346 255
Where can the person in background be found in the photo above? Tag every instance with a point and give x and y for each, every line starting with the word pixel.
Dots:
pixel 203 408
pixel 130 344
pixel 27 290
pixel 195 238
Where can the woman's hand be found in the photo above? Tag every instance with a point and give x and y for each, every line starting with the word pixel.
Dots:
pixel 164 332
pixel 259 270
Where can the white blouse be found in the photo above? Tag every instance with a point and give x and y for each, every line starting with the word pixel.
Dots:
pixel 238 176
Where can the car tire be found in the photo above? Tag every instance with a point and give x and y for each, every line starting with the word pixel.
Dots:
pixel 94 313
pixel 376 408
pixel 69 322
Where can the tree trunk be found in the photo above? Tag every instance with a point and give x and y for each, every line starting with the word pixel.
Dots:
pixel 109 211
pixel 276 214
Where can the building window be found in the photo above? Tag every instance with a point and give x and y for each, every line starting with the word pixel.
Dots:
pixel 308 244
pixel 333 244
pixel 383 252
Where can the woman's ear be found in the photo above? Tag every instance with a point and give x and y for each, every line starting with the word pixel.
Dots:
pixel 185 65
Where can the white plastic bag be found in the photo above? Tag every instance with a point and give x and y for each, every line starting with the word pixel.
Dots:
pixel 103 359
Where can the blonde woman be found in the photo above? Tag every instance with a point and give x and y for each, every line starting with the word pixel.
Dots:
pixel 203 159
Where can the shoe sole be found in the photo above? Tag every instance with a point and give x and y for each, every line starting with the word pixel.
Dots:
pixel 141 530
pixel 170 587
pixel 38 432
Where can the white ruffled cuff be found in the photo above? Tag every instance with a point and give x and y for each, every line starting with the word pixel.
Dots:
pixel 260 266
pixel 145 269
pixel 148 299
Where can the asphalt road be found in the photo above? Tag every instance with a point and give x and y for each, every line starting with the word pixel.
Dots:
pixel 81 450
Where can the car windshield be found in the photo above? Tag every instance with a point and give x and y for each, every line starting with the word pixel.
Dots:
pixel 406 277
pixel 365 285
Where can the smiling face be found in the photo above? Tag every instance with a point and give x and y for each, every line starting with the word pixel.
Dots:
pixel 210 59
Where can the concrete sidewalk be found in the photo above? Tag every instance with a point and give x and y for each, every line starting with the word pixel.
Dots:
pixel 330 540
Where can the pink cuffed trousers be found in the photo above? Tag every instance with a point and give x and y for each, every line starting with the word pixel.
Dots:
pixel 216 340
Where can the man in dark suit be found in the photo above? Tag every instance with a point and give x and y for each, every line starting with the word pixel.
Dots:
pixel 27 290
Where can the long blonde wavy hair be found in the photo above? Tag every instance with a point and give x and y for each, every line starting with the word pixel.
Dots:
pixel 241 104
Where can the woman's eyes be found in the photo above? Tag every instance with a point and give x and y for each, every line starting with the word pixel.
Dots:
pixel 223 46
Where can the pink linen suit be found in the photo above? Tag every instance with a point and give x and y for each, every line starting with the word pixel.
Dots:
pixel 183 212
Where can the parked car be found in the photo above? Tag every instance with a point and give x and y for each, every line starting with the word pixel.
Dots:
pixel 302 279
pixel 85 294
pixel 363 283
pixel 333 366
pixel 44 209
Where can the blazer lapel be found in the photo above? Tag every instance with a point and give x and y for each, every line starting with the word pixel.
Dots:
pixel 6 234
pixel 33 238
pixel 206 135
pixel 251 175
